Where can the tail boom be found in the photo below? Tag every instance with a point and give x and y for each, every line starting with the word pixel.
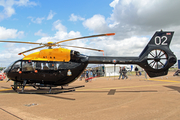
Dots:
pixel 112 60
pixel 156 58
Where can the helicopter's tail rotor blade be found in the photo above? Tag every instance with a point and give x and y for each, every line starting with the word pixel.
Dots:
pixel 107 34
pixel 84 48
pixel 31 49
pixel 20 42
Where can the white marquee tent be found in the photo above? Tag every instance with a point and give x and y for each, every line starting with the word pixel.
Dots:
pixel 113 70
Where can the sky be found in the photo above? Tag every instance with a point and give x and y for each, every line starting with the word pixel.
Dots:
pixel 133 21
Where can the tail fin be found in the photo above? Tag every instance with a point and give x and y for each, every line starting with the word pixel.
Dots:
pixel 157 58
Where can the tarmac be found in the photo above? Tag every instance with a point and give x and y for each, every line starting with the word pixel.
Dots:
pixel 104 98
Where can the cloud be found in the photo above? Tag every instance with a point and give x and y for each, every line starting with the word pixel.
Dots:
pixel 61 33
pixel 8 6
pixel 25 3
pixel 97 23
pixel 39 20
pixel 58 26
pixel 10 54
pixel 39 33
pixel 114 3
pixel 149 15
pixel 76 18
pixel 132 46
pixel 10 33
pixel 36 20
pixel 51 15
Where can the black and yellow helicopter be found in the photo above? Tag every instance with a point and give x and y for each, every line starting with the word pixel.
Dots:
pixel 54 67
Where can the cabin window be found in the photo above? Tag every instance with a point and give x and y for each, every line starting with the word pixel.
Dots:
pixel 27 66
pixel 45 66
pixel 37 65
pixel 51 66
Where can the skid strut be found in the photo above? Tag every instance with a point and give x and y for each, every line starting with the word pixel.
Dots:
pixel 44 90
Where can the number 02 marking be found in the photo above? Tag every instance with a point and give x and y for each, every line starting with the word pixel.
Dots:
pixel 160 40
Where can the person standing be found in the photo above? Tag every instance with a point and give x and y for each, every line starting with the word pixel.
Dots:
pixel 83 75
pixel 124 71
pixel 87 73
pixel 136 69
pixel 120 73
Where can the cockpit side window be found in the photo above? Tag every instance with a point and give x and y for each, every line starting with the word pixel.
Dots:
pixel 16 67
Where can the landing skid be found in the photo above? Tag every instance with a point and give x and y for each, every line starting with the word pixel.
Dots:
pixel 44 90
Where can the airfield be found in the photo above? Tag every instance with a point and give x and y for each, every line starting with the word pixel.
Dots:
pixel 104 98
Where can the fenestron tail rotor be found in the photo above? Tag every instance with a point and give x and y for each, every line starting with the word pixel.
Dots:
pixel 157 59
pixel 51 44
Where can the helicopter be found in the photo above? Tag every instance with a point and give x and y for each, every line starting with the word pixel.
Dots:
pixel 54 67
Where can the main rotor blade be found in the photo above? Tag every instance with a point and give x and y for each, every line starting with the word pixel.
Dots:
pixel 108 34
pixel 31 49
pixel 84 48
pixel 21 42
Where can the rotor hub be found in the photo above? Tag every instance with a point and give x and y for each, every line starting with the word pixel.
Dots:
pixel 157 59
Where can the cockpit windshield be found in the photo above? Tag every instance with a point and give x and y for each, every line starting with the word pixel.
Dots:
pixel 8 67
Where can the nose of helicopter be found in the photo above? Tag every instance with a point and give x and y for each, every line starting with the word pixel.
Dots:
pixel 6 72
